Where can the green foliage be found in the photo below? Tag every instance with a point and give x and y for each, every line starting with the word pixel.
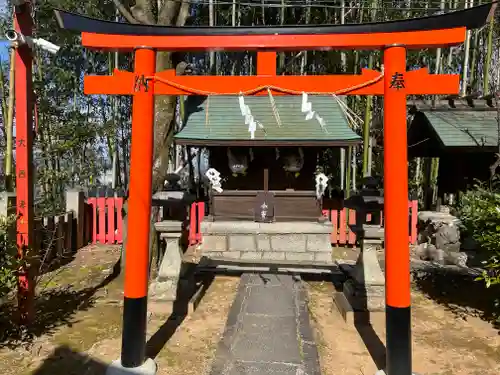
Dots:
pixel 9 262
pixel 479 212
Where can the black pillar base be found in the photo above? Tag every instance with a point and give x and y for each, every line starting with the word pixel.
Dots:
pixel 398 340
pixel 134 331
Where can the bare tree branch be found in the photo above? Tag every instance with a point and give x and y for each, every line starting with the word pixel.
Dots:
pixel 125 12
pixel 183 13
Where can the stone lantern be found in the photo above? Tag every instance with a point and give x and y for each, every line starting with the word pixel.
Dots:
pixel 364 290
pixel 174 205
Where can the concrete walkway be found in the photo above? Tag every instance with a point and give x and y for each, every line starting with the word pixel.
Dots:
pixel 267 330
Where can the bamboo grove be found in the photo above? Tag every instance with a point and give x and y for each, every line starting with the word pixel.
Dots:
pixel 84 140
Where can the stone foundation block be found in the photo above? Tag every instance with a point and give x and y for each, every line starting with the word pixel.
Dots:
pixel 263 242
pixel 318 242
pixel 242 243
pixel 289 243
pixel 214 243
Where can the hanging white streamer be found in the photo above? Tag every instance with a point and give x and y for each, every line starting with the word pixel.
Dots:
pixel 274 108
pixel 307 107
pixel 213 176
pixel 310 114
pixel 321 184
pixel 249 119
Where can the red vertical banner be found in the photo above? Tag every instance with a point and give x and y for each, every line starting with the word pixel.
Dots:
pixel 23 24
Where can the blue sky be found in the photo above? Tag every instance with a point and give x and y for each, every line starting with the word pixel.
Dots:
pixel 3 45
pixel 4 51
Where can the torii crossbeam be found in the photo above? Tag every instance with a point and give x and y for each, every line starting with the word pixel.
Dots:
pixel 395 83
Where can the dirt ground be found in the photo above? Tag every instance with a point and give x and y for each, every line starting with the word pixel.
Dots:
pixel 444 342
pixel 78 326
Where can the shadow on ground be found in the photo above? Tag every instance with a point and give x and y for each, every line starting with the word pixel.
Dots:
pixel 460 293
pixel 65 361
pixel 186 290
pixel 362 323
pixel 54 308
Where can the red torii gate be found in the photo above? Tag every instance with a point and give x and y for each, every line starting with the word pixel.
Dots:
pixel 395 83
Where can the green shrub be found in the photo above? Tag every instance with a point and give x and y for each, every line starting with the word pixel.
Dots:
pixel 8 257
pixel 479 213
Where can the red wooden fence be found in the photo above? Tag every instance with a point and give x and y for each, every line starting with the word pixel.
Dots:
pixel 106 224
pixel 106 214
pixel 343 235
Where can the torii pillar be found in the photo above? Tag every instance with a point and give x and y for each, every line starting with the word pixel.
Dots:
pixel 397 254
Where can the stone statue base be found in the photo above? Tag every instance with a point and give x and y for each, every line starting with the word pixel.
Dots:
pixel 364 291
pixel 365 297
pixel 164 287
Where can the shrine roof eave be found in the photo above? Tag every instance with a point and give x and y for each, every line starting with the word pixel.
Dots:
pixel 439 30
pixel 266 143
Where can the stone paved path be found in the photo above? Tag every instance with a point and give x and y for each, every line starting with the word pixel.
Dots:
pixel 267 330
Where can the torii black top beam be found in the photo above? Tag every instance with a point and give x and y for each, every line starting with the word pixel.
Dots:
pixel 471 18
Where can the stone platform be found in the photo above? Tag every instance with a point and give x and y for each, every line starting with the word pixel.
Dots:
pixel 282 241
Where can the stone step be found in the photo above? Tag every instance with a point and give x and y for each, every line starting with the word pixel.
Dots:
pixel 225 263
pixel 296 243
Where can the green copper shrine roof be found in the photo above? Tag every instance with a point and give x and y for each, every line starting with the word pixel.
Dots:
pixel 456 122
pixel 465 128
pixel 217 121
